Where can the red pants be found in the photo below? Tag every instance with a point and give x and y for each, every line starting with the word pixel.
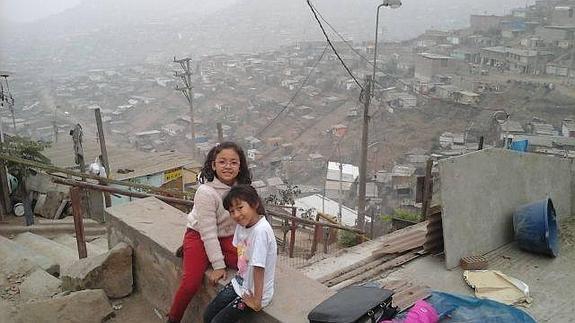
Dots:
pixel 195 263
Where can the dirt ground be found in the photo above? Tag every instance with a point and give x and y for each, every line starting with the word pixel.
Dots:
pixel 134 309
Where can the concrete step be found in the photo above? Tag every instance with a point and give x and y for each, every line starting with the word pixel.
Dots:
pixel 69 241
pixel 88 223
pixel 17 258
pixel 59 253
pixel 101 242
pixel 51 230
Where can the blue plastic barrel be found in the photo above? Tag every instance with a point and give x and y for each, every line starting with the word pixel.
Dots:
pixel 535 227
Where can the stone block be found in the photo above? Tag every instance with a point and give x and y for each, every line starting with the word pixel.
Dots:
pixel 111 272
pixel 52 203
pixel 39 285
pixel 19 259
pixel 52 250
pixel 39 203
pixel 7 311
pixel 69 241
pixel 88 306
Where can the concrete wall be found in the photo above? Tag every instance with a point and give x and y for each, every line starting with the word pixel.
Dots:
pixel 481 190
pixel 155 231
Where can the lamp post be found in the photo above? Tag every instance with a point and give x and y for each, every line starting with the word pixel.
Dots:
pixel 393 4
pixel 363 164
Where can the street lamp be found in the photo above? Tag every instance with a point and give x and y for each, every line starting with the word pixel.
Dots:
pixel 364 136
pixel 393 4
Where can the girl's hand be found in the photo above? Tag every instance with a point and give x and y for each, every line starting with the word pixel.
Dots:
pixel 217 274
pixel 255 303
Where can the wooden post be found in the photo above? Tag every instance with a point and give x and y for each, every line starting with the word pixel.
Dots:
pixel 5 204
pixel 4 195
pixel 220 133
pixel 326 239
pixel 103 153
pixel 75 196
pixel 292 235
pixel 426 190
pixel 481 143
pixel 316 236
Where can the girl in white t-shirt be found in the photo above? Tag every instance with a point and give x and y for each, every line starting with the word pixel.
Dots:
pixel 253 286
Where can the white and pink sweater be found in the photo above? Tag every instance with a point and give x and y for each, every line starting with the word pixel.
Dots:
pixel 211 220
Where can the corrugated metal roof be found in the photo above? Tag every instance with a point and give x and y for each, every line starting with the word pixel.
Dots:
pixel 142 163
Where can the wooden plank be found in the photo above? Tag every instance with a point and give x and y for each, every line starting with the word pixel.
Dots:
pixel 114 190
pixel 407 297
pixel 326 278
pixel 78 221
pixel 53 169
pixel 395 262
pixel 427 192
pixel 357 271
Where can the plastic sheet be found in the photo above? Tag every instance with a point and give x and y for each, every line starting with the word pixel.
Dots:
pixel 458 308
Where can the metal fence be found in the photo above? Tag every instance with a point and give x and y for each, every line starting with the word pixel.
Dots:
pixel 303 241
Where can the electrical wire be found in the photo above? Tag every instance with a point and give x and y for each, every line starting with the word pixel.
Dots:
pixel 295 94
pixel 314 11
pixel 346 41
pixel 355 51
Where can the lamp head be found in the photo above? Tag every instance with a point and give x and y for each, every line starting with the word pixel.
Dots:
pixel 393 4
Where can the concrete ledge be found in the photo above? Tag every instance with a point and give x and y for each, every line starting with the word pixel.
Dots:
pixel 155 230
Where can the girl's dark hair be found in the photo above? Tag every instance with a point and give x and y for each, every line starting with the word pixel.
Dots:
pixel 207 173
pixel 247 193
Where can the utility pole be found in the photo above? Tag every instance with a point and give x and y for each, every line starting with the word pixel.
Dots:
pixel 5 208
pixel 220 132
pixel 339 189
pixel 103 153
pixel 77 135
pixel 55 125
pixel 366 98
pixel 7 97
pixel 186 77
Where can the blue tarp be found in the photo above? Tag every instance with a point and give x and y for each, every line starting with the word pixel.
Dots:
pixel 519 145
pixel 458 308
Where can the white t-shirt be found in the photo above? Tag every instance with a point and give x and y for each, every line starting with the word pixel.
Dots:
pixel 256 248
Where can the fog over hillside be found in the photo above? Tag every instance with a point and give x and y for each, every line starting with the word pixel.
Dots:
pixel 128 31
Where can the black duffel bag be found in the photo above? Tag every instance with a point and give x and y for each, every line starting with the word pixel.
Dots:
pixel 355 304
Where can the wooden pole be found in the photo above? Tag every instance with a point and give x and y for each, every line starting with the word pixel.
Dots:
pixel 75 196
pixel 55 169
pixel 115 190
pixel 220 133
pixel 292 236
pixel 316 236
pixel 426 190
pixel 5 193
pixel 312 223
pixel 363 163
pixel 103 153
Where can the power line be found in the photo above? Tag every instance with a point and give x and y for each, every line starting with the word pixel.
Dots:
pixel 295 94
pixel 354 50
pixel 313 10
pixel 345 41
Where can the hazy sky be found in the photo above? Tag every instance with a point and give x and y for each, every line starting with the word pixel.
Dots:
pixel 30 10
